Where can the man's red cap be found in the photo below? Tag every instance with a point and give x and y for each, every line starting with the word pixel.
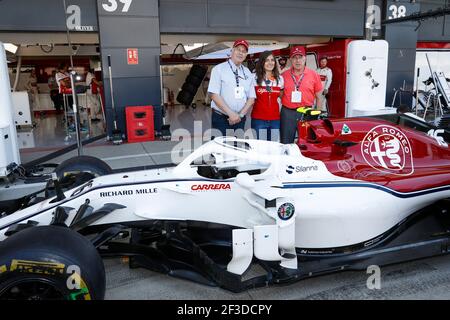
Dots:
pixel 297 50
pixel 241 42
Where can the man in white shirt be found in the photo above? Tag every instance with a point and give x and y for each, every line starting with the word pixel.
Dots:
pixel 93 102
pixel 326 76
pixel 232 91
pixel 63 79
pixel 33 91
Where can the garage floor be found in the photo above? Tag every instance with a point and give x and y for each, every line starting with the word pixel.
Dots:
pixel 422 279
pixel 50 131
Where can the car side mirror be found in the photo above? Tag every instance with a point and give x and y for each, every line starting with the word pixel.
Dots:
pixel 245 181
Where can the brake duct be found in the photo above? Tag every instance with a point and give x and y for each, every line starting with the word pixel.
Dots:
pixel 274 242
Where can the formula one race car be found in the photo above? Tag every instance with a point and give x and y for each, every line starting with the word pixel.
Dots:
pixel 242 213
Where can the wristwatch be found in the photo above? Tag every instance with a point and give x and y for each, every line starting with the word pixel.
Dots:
pixel 241 115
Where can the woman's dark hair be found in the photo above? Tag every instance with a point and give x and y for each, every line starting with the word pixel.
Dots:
pixel 62 65
pixel 260 72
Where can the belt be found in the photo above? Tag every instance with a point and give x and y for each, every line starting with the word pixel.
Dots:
pixel 296 107
pixel 221 114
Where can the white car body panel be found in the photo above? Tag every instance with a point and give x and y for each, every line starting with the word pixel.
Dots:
pixel 330 211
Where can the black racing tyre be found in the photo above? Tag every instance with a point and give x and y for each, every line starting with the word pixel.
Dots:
pixel 189 87
pixel 196 81
pixel 198 71
pixel 185 98
pixel 50 263
pixel 83 164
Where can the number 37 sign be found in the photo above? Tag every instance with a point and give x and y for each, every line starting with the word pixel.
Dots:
pixel 112 5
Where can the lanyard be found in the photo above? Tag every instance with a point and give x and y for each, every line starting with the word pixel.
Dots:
pixel 236 73
pixel 268 85
pixel 297 83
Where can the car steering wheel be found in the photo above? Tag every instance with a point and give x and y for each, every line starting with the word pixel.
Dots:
pixel 215 172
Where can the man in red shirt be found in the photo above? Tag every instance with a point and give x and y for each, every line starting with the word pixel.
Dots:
pixel 301 87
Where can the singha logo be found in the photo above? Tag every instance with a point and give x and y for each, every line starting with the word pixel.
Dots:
pixel 387 149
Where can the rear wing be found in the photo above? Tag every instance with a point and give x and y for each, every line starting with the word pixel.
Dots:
pixel 442 86
pixel 414 122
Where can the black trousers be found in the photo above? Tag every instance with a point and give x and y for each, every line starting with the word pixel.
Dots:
pixel 220 123
pixel 288 124
pixel 57 99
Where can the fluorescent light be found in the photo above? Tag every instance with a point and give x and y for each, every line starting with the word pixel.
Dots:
pixel 11 47
pixel 194 46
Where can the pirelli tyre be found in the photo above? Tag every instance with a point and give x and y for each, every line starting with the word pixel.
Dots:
pixel 198 71
pixel 189 87
pixel 196 81
pixel 83 164
pixel 75 171
pixel 185 98
pixel 50 263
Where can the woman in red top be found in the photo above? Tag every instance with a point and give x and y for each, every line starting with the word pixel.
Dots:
pixel 268 86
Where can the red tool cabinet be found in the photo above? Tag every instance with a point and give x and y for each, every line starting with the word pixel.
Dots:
pixel 140 121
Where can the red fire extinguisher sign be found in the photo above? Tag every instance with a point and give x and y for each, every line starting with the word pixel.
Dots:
pixel 132 56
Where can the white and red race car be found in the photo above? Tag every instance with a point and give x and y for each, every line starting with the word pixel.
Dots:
pixel 351 193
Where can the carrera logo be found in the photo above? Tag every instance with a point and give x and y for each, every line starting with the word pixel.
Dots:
pixel 387 149
pixel 208 187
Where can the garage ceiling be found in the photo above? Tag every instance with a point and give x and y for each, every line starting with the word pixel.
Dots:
pixel 169 42
pixel 45 38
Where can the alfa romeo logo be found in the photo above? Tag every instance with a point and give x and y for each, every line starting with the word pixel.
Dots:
pixel 286 211
pixel 387 149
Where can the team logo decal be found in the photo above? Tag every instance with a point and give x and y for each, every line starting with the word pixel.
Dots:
pixel 290 169
pixel 436 134
pixel 211 187
pixel 344 166
pixel 346 130
pixel 264 89
pixel 286 211
pixel 387 149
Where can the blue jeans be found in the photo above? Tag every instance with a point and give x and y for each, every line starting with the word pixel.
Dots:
pixel 221 123
pixel 266 129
